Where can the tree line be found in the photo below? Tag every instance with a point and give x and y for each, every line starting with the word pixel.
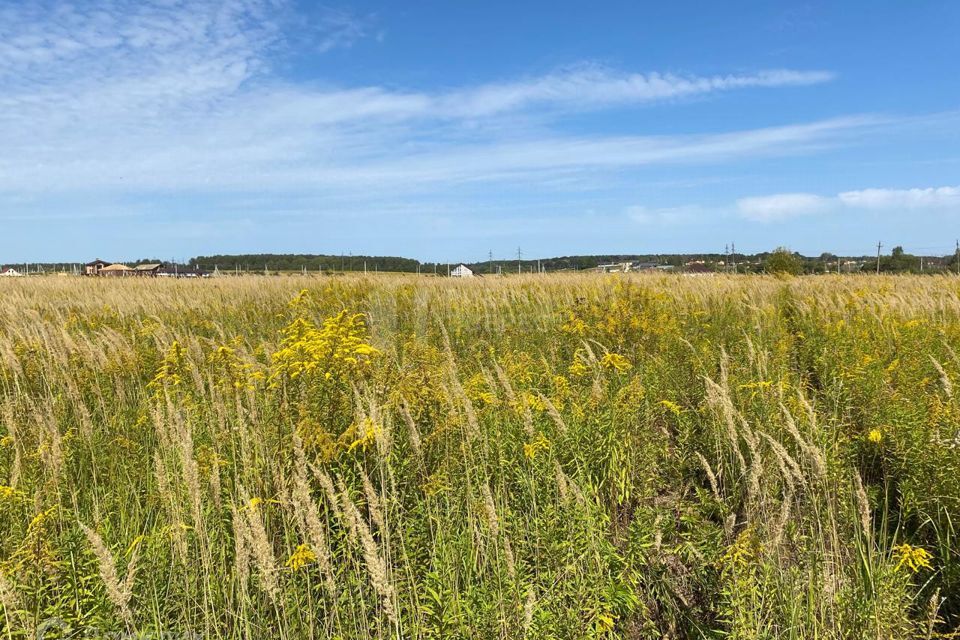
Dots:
pixel 778 260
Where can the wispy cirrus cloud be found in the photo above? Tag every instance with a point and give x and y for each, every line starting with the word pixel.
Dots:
pixel 288 151
pixel 594 86
pixel 174 94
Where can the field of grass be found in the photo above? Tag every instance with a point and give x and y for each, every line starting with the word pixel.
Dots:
pixel 579 456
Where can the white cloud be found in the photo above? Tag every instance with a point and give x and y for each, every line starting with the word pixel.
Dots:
pixel 289 150
pixel 129 96
pixel 781 206
pixel 592 86
pixel 177 93
pixel 787 205
pixel 928 198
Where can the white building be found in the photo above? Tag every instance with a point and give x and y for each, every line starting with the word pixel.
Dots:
pixel 10 272
pixel 462 271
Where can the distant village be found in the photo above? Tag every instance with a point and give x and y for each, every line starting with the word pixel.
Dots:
pixel 147 270
pixel 104 269
pixel 897 261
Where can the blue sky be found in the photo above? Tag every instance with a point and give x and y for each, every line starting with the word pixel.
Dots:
pixel 443 130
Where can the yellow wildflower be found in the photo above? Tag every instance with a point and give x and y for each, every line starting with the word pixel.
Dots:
pixel 531 449
pixel 615 361
pixel 914 558
pixel 39 521
pixel 170 370
pixel 366 434
pixel 478 390
pixel 875 436
pixel 561 388
pixel 303 556
pixel 605 622
pixel 672 407
pixel 742 553
pixel 578 369
pixel 334 350
pixel 532 402
pixel 300 298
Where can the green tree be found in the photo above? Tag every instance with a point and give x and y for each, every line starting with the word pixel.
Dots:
pixel 782 260
pixel 899 262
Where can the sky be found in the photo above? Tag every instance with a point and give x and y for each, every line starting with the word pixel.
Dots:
pixel 446 130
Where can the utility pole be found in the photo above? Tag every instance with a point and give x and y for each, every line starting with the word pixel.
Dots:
pixel 733 255
pixel 490 262
pixel 878 257
pixel 956 257
pixel 519 254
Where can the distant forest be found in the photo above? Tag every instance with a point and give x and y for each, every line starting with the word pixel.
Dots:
pixel 299 261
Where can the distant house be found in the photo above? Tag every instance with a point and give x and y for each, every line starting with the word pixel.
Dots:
pixel 462 271
pixel 10 272
pixel 624 267
pixel 644 266
pixel 94 268
pixel 177 271
pixel 149 270
pixel 614 267
pixel 116 270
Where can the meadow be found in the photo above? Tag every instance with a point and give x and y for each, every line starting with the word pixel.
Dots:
pixel 563 456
